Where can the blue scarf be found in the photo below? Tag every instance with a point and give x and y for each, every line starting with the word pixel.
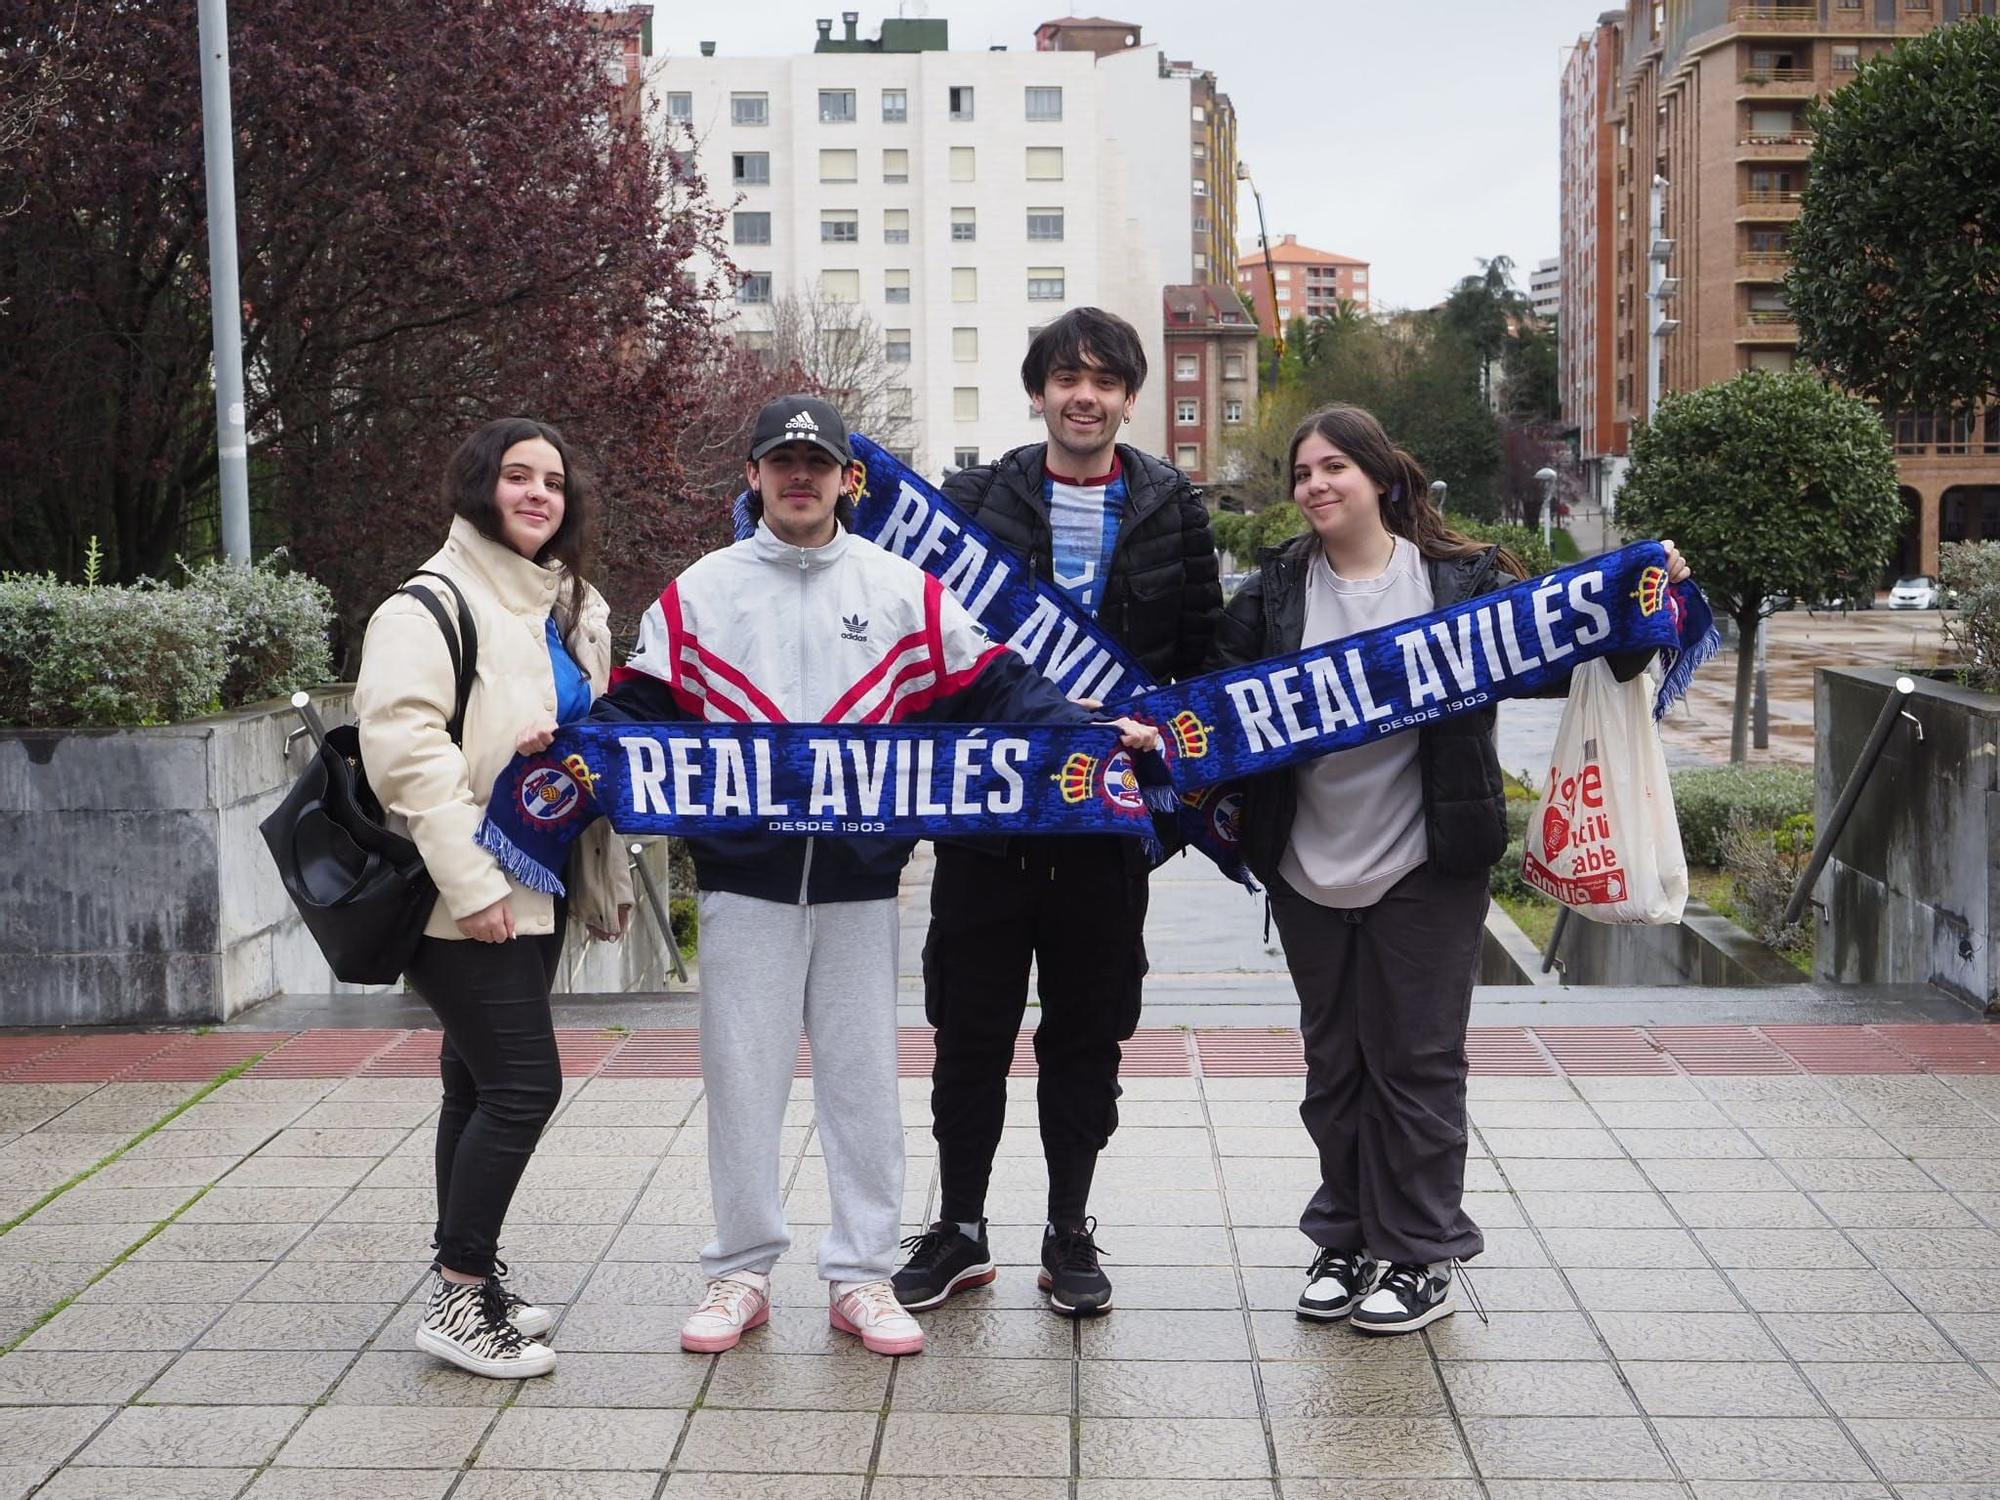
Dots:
pixel 824 780
pixel 1218 728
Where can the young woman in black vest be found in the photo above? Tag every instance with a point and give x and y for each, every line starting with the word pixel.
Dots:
pixel 1376 861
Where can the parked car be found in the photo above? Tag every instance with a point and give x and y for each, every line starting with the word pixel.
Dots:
pixel 1918 591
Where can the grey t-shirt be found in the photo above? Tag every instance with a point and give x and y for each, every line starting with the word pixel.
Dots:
pixel 1359 827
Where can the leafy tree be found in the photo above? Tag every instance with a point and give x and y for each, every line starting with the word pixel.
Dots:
pixel 1774 485
pixel 1896 255
pixel 446 213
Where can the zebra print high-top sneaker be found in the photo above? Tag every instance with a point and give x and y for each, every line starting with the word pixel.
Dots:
pixel 466 1323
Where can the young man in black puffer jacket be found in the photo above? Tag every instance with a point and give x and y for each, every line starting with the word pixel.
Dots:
pixel 1126 536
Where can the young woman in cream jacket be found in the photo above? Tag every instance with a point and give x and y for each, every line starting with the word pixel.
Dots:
pixel 489 953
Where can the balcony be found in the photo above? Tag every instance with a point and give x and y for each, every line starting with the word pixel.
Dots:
pixel 1757 18
pixel 1768 205
pixel 1760 325
pixel 1779 83
pixel 1789 145
pixel 1762 265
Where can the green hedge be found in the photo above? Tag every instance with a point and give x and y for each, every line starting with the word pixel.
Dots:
pixel 1708 798
pixel 90 656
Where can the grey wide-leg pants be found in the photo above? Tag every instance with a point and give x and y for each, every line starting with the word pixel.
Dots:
pixel 1385 993
pixel 770 970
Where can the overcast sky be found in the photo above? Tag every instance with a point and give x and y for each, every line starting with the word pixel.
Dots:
pixel 1417 134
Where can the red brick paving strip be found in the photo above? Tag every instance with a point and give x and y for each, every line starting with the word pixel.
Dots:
pixel 1241 1052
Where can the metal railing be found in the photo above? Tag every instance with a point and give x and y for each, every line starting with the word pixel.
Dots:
pixel 1777 75
pixel 1765 196
pixel 1764 260
pixel 1803 138
pixel 1762 13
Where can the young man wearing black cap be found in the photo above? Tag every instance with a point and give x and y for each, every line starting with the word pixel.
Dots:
pixel 1126 536
pixel 803 621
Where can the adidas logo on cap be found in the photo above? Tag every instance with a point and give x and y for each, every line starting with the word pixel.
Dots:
pixel 803 422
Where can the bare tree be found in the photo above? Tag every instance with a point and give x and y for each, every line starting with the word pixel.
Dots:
pixel 841 353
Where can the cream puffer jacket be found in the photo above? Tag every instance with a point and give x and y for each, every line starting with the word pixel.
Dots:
pixel 436 791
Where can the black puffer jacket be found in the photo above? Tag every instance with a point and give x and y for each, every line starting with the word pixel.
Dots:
pixel 1163 598
pixel 1465 801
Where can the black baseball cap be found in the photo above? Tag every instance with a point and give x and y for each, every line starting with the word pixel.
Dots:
pixel 800 419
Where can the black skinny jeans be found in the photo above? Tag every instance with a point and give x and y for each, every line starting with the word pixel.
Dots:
pixel 502 1079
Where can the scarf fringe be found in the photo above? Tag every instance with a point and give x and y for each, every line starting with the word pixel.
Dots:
pixel 1681 669
pixel 516 861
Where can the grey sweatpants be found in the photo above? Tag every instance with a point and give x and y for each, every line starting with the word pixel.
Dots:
pixel 1384 996
pixel 769 970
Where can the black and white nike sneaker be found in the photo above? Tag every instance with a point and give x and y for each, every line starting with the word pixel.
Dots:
pixel 1409 1297
pixel 1336 1282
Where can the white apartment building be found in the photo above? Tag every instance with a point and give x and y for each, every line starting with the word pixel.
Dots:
pixel 962 200
pixel 1545 290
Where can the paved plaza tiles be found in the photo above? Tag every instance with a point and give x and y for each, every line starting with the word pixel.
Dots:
pixel 1721 1262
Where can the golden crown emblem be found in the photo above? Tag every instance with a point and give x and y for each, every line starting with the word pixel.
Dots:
pixel 1190 734
pixel 586 778
pixel 1077 776
pixel 1652 590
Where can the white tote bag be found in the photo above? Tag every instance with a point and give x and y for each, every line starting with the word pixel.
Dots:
pixel 1604 841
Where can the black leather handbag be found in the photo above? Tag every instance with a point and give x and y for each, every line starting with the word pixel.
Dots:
pixel 363 890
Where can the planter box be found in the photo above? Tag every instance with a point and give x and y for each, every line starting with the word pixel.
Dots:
pixel 1909 896
pixel 140 891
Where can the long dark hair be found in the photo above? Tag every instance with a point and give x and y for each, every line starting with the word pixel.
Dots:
pixel 1406 503
pixel 474 473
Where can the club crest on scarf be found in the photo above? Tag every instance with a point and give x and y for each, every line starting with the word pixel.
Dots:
pixel 1114 780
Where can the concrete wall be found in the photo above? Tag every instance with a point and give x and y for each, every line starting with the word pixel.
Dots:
pixel 1702 949
pixel 139 891
pixel 1909 894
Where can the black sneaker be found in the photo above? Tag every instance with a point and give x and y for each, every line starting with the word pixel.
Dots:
pixel 942 1261
pixel 1077 1288
pixel 1408 1297
pixel 1335 1282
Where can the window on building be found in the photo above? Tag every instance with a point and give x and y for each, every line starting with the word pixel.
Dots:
pixel 680 107
pixel 1284 273
pixel 754 287
pixel 1232 367
pixel 965 344
pixel 1201 187
pixel 1201 260
pixel 1232 411
pixel 963 166
pixel 895 106
pixel 896 345
pixel 1187 456
pixel 1187 411
pixel 896 165
pixel 1201 151
pixel 965 403
pixel 964 284
pixel 839 226
pixel 1045 224
pixel 896 285
pixel 840 286
pixel 1359 278
pixel 964 458
pixel 1045 164
pixel 964 225
pixel 1770 241
pixel 1045 283
pixel 1187 367
pixel 1198 115
pixel 750 168
pixel 1044 104
pixel 836 106
pixel 839 166
pixel 1846 59
pixel 1770 359
pixel 961 101
pixel 902 403
pixel 895 226
pixel 1201 223
pixel 756 340
pixel 749 109
pixel 753 229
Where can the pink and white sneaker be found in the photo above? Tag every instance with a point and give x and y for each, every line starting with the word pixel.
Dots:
pixel 869 1310
pixel 734 1305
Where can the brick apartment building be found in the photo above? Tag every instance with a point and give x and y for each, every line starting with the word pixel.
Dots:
pixel 1310 282
pixel 1211 358
pixel 1708 97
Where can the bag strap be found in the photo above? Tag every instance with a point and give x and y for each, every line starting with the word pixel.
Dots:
pixel 465 662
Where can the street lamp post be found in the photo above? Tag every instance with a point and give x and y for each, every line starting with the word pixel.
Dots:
pixel 1546 478
pixel 1438 488
pixel 218 148
pixel 1270 270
